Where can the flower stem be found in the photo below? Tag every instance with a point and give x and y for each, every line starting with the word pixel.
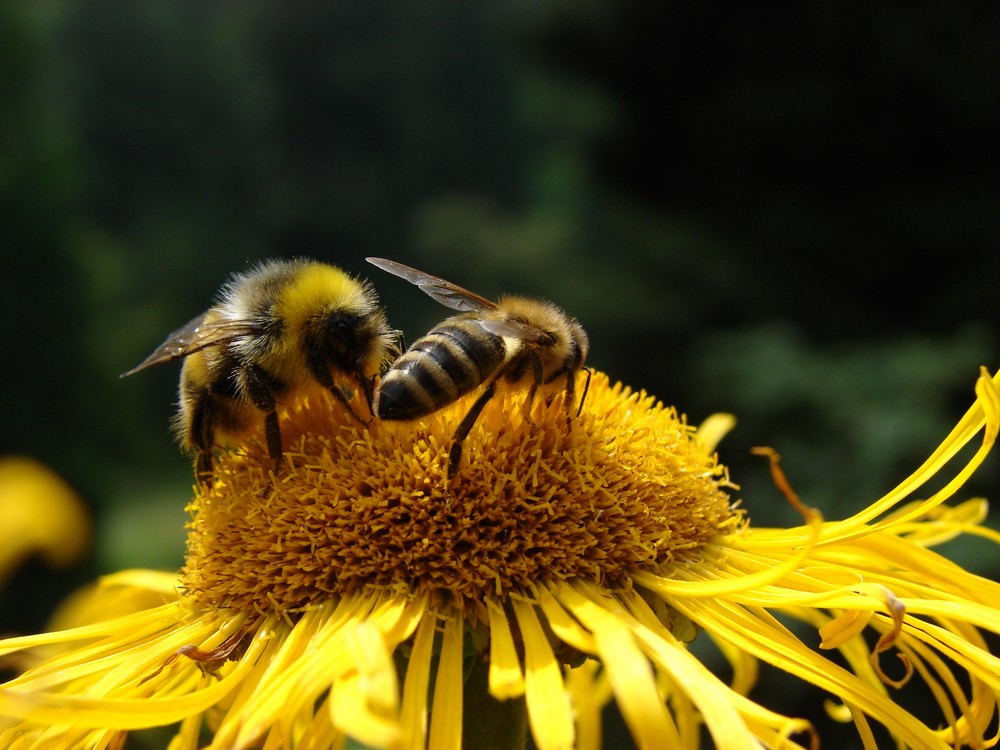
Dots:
pixel 487 723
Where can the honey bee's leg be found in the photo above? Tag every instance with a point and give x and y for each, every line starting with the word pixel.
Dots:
pixel 395 349
pixel 465 426
pixel 568 397
pixel 261 393
pixel 586 388
pixel 517 372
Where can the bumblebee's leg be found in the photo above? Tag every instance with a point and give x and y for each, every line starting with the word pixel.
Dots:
pixel 536 366
pixel 321 371
pixel 368 389
pixel 465 426
pixel 203 470
pixel 339 395
pixel 260 389
pixel 201 434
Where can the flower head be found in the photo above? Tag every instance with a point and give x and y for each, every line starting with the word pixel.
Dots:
pixel 359 593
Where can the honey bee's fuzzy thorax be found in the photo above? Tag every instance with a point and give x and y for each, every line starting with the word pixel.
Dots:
pixel 549 317
pixel 370 508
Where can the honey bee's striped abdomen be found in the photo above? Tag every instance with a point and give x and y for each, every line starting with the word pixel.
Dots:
pixel 453 359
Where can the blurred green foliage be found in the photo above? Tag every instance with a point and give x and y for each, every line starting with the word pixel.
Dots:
pixel 790 214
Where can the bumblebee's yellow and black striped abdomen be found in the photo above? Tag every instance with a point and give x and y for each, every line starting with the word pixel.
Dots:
pixel 454 358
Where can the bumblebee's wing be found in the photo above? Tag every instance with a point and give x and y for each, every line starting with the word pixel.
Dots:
pixel 448 294
pixel 192 337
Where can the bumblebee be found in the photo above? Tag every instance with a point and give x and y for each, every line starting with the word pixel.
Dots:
pixel 282 325
pixel 523 341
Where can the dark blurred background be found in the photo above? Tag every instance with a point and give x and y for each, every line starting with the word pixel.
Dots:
pixel 789 213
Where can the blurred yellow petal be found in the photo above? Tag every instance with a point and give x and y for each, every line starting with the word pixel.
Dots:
pixel 39 513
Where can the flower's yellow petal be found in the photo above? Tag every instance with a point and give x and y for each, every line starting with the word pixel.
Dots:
pixel 940 524
pixel 863 727
pixel 319 734
pixel 413 716
pixel 746 669
pixel 188 735
pixel 505 677
pixel 721 586
pixel 628 669
pixel 115 596
pixel 761 635
pixel 713 429
pixel 844 627
pixel 854 650
pixel 588 692
pixel 564 627
pixel 984 413
pixel 138 658
pixel 118 712
pixel 281 678
pixel 446 710
pixel 733 720
pixel 364 704
pixel 138 625
pixel 548 704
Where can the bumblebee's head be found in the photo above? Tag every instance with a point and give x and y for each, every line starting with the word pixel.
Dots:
pixel 347 338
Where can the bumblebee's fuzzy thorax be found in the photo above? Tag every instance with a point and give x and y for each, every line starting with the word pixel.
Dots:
pixel 318 290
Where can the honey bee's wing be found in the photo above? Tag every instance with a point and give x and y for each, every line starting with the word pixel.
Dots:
pixel 448 294
pixel 196 335
pixel 514 329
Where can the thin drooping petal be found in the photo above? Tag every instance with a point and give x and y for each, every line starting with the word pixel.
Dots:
pixel 548 703
pixel 446 732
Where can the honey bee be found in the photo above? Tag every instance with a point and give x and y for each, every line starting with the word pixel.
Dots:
pixel 275 328
pixel 516 338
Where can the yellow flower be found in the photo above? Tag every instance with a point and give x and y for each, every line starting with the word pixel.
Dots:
pixel 39 513
pixel 357 593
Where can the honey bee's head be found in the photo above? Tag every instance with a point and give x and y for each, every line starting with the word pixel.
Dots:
pixel 579 344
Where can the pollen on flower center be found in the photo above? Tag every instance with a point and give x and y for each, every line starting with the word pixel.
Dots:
pixel 623 487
